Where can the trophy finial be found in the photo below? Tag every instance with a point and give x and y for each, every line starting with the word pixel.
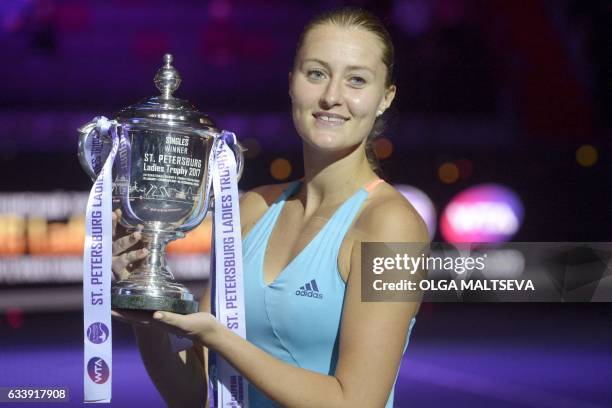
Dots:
pixel 167 79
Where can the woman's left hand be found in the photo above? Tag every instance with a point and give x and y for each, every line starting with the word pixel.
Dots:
pixel 199 327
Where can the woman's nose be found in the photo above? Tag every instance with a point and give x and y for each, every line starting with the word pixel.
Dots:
pixel 332 95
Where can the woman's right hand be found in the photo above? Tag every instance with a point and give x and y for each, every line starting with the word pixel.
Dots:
pixel 122 258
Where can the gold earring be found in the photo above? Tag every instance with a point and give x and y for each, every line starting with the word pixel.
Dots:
pixel 379 113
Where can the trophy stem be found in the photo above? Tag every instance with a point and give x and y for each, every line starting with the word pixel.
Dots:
pixel 155 264
pixel 151 286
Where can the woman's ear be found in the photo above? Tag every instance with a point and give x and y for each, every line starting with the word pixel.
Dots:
pixel 289 82
pixel 387 98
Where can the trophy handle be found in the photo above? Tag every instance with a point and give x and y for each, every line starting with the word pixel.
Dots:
pixel 239 150
pixel 88 136
pixel 95 144
pixel 86 133
pixel 207 198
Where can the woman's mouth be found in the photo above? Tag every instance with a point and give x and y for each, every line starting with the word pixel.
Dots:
pixel 328 119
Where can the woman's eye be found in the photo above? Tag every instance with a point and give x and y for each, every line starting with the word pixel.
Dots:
pixel 315 74
pixel 357 81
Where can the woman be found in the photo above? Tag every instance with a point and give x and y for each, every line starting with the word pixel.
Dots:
pixel 328 350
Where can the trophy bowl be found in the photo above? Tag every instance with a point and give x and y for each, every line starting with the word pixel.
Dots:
pixel 161 183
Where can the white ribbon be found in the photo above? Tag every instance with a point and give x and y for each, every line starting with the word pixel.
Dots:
pixel 97 259
pixel 230 388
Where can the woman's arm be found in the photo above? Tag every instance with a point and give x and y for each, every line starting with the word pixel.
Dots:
pixel 372 336
pixel 179 377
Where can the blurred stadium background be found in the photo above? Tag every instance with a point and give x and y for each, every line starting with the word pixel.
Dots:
pixel 500 130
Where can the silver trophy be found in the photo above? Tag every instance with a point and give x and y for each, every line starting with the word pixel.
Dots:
pixel 161 182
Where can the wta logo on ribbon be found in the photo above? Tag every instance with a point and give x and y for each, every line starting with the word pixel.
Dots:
pixel 98 371
pixel 97 333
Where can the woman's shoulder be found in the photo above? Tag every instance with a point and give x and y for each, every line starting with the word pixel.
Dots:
pixel 255 202
pixel 263 196
pixel 389 216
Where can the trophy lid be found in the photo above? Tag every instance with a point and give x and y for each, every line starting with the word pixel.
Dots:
pixel 165 107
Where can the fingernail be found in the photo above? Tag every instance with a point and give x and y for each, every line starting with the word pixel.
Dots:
pixel 158 315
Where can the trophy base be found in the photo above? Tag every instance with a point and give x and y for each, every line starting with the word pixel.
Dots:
pixel 167 304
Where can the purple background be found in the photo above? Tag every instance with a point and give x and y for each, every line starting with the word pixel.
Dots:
pixel 512 87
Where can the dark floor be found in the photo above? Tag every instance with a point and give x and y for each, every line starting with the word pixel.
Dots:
pixel 493 355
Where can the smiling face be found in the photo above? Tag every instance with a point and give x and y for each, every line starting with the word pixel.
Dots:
pixel 338 86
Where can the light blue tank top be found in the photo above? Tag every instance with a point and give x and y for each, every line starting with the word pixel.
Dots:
pixel 296 318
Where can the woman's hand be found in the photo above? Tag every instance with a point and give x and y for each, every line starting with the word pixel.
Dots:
pixel 199 327
pixel 122 265
pixel 122 259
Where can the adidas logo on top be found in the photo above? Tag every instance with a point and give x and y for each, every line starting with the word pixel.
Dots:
pixel 310 290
